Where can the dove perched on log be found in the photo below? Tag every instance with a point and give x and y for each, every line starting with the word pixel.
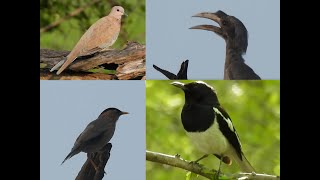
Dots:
pixel 101 35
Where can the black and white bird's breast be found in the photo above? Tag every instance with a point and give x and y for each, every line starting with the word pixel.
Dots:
pixel 203 129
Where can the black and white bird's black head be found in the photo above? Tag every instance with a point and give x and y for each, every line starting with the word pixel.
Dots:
pixel 198 92
pixel 197 114
pixel 231 29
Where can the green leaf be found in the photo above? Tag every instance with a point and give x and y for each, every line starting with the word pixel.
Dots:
pixel 190 175
pixel 43 65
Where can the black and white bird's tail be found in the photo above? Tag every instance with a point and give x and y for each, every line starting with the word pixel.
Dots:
pixel 244 164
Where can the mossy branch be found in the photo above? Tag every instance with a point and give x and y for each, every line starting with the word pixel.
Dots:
pixel 177 161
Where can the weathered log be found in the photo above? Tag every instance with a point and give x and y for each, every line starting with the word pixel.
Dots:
pixel 129 63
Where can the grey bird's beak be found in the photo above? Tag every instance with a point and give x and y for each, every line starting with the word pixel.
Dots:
pixel 122 113
pixel 178 85
pixel 212 16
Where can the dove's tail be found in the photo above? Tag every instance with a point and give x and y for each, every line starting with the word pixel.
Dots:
pixel 55 67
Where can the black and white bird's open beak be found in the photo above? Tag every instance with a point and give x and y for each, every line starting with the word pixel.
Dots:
pixel 122 113
pixel 178 85
pixel 213 16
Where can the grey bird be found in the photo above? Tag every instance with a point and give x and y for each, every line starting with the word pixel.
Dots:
pixel 97 134
pixel 233 31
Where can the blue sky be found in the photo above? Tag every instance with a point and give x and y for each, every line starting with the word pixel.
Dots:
pixel 66 107
pixel 170 41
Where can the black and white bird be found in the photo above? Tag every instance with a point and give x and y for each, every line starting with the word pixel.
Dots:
pixel 97 134
pixel 209 126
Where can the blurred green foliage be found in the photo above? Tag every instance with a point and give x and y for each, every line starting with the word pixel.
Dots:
pixel 67 34
pixel 254 107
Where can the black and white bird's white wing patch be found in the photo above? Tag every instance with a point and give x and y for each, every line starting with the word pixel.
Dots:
pixel 227 129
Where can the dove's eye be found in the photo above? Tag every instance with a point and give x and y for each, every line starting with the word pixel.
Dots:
pixel 117 9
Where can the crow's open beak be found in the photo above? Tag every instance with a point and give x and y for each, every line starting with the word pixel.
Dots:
pixel 213 16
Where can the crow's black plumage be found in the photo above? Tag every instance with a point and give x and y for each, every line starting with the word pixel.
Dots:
pixel 182 74
pixel 209 126
pixel 233 31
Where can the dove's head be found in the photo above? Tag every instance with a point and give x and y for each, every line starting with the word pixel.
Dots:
pixel 117 12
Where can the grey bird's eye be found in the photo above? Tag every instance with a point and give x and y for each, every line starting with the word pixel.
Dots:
pixel 117 9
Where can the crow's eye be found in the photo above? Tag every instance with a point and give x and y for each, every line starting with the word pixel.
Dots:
pixel 224 22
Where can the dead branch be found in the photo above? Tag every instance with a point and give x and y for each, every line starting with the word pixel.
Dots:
pixel 101 158
pixel 129 63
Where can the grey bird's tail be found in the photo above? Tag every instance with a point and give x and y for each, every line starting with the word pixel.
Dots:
pixel 72 153
pixel 244 164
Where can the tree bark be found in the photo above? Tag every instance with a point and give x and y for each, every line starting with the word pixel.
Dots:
pixel 101 158
pixel 129 63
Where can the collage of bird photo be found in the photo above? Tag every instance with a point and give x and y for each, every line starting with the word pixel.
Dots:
pixel 157 90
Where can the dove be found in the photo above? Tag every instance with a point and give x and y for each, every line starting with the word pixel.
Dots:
pixel 100 36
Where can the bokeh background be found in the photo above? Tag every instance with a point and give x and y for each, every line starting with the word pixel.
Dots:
pixel 254 107
pixel 66 34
